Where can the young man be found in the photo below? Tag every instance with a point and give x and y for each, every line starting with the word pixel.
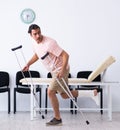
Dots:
pixel 59 59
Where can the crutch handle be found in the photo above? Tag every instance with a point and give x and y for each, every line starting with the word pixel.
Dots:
pixel 13 49
pixel 43 57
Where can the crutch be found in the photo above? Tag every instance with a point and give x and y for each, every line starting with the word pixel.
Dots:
pixel 66 91
pixel 36 99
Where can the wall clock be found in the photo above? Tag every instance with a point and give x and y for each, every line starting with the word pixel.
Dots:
pixel 27 16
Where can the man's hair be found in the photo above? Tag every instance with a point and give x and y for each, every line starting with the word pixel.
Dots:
pixel 33 26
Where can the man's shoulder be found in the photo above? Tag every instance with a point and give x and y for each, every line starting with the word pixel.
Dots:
pixel 49 38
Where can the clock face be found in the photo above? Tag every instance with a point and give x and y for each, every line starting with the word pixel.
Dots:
pixel 27 16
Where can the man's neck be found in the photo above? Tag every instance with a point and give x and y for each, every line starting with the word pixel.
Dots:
pixel 40 40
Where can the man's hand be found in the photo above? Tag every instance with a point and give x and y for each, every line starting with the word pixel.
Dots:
pixel 60 74
pixel 26 68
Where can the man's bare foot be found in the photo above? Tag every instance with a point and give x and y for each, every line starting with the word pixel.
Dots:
pixel 96 97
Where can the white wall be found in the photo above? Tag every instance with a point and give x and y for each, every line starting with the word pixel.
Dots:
pixel 88 30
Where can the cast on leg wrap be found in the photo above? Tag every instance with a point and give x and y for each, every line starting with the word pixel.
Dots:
pixel 85 93
pixel 88 93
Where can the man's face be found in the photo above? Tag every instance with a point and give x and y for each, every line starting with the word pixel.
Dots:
pixel 36 35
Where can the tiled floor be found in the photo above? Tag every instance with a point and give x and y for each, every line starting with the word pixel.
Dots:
pixel 21 121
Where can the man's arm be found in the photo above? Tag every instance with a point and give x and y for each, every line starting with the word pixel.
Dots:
pixel 30 62
pixel 65 58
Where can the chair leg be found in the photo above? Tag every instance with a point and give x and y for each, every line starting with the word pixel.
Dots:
pixel 46 100
pixel 9 101
pixel 40 98
pixel 75 106
pixel 101 101
pixel 71 106
pixel 14 100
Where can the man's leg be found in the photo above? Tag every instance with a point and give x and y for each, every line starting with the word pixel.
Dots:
pixel 77 93
pixel 54 103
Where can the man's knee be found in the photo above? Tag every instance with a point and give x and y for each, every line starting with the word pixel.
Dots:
pixel 51 92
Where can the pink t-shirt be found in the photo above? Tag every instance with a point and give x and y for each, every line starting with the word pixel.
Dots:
pixel 53 62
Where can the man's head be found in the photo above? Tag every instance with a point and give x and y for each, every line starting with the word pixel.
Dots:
pixel 35 32
pixel 33 27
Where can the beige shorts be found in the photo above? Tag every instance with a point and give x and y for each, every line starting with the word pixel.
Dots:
pixel 54 85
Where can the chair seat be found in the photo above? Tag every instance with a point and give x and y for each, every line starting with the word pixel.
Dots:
pixel 91 88
pixel 2 90
pixel 4 85
pixel 26 90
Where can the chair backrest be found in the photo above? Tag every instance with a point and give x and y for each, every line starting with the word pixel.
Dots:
pixel 27 74
pixel 49 75
pixel 85 74
pixel 4 79
pixel 69 76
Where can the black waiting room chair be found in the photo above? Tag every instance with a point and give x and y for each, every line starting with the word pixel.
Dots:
pixel 4 85
pixel 85 74
pixel 25 89
pixel 46 96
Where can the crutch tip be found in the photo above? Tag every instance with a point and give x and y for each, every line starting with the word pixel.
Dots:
pixel 43 117
pixel 87 122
